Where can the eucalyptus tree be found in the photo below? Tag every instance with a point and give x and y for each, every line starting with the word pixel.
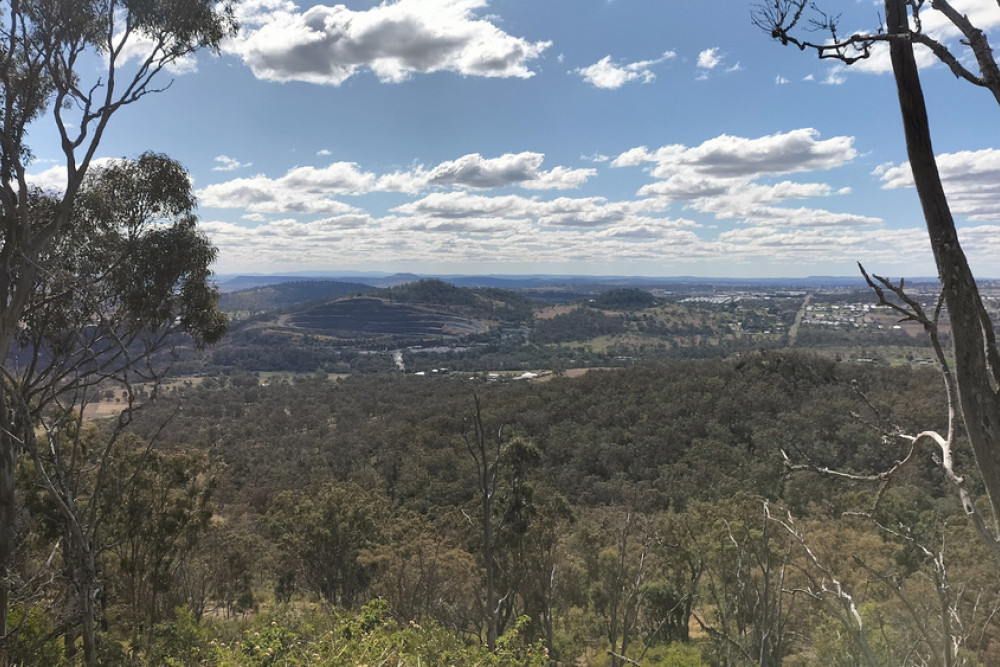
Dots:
pixel 126 279
pixel 48 52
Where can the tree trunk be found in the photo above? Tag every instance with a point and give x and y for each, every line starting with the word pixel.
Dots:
pixel 81 570
pixel 977 364
pixel 7 529
pixel 9 449
pixel 489 562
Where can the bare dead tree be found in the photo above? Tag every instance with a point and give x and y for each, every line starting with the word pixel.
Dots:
pixel 626 578
pixel 485 449
pixel 973 388
pixel 942 447
pixel 746 592
pixel 787 20
pixel 827 589
pixel 945 639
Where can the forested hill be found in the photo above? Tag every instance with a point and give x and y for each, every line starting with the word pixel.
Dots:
pixel 284 295
pixel 681 430
pixel 483 302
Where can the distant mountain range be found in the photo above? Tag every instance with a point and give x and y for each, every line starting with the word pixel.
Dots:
pixel 233 283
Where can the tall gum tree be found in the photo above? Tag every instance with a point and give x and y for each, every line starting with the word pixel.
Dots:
pixel 126 280
pixel 43 45
pixel 975 384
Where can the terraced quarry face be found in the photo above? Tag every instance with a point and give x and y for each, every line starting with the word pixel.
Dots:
pixel 369 316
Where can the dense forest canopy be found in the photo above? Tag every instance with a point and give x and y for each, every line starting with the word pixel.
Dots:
pixel 344 491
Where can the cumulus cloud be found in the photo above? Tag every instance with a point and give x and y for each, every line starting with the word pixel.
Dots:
pixel 836 76
pixel 226 163
pixel 611 75
pixel 328 45
pixel 971 180
pixel 303 190
pixel 709 58
pixel 582 212
pixel 720 176
pixel 593 212
pixel 522 169
pixel 451 215
pixel 489 240
pixel 728 156
pixel 465 205
pixel 315 189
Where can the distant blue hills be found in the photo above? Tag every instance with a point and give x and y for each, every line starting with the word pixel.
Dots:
pixel 231 283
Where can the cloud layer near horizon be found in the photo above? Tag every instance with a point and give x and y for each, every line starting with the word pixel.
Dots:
pixel 454 214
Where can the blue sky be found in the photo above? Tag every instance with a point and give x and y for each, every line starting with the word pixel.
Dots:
pixel 627 137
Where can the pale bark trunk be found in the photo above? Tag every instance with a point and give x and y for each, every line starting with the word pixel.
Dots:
pixel 977 365
pixel 489 561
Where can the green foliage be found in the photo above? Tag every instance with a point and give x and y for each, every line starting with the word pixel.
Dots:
pixel 580 324
pixel 625 298
pixel 130 260
pixel 35 641
pixel 322 531
pixel 177 642
pixel 677 655
pixel 367 637
pixel 337 492
pixel 158 505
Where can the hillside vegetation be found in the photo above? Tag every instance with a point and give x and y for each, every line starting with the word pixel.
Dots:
pixel 643 511
pixel 309 498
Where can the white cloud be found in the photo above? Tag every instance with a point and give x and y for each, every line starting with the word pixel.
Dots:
pixel 780 80
pixel 709 58
pixel 226 163
pixel 328 45
pixel 522 169
pixel 971 180
pixel 452 217
pixel 582 212
pixel 489 239
pixel 728 156
pixel 836 76
pixel 315 188
pixel 611 75
pixel 52 179
pixel 718 177
pixel 303 189
pixel 592 212
pixel 465 205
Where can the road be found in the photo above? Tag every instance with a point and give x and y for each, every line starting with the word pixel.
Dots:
pixel 793 332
